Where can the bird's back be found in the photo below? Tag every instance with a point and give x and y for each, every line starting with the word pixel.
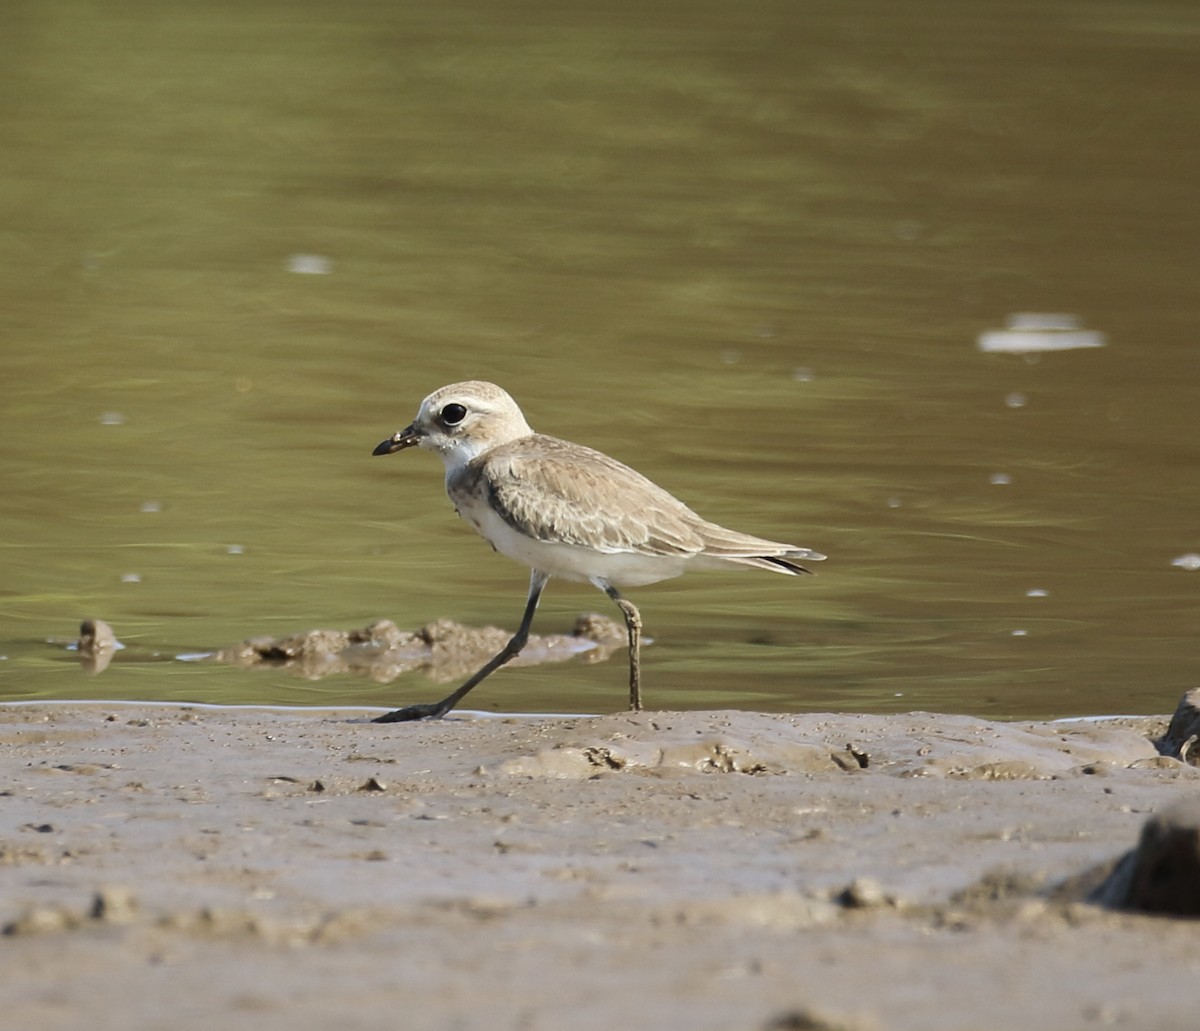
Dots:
pixel 556 491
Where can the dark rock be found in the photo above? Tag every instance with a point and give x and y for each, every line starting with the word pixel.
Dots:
pixel 1162 875
pixel 1183 733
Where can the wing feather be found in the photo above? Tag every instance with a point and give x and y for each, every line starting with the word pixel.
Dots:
pixel 553 490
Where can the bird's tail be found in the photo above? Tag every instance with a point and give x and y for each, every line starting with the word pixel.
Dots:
pixel 725 547
pixel 788 564
pixel 785 563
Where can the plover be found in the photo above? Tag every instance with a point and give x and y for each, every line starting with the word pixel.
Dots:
pixel 569 511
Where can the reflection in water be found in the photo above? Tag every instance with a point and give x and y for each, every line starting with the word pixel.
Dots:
pixel 1028 333
pixel 309 264
pixel 748 257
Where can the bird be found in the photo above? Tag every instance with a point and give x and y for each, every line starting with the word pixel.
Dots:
pixel 568 511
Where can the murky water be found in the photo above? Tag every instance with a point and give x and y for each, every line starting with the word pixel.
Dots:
pixel 747 249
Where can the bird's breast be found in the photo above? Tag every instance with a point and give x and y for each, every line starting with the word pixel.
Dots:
pixel 566 561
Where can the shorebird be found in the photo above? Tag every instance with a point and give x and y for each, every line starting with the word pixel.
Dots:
pixel 569 511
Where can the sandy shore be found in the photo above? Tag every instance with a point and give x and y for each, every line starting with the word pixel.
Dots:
pixel 190 868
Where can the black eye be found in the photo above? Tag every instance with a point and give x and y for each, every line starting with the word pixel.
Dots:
pixel 452 415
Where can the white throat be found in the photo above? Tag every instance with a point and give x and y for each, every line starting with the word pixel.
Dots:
pixel 460 453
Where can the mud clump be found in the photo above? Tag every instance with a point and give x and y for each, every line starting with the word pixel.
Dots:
pixel 442 650
pixel 96 645
pixel 111 905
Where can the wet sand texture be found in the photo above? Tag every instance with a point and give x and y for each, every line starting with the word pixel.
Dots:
pixel 198 868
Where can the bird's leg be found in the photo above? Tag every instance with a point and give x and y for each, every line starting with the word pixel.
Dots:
pixel 633 625
pixel 537 581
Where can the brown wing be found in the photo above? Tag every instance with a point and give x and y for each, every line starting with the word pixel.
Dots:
pixel 554 490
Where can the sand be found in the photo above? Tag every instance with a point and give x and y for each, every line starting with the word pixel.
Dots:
pixel 191 868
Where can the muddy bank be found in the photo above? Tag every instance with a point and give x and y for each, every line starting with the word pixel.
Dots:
pixel 443 650
pixel 165 865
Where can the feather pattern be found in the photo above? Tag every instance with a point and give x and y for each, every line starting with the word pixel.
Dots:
pixel 554 491
pixel 568 511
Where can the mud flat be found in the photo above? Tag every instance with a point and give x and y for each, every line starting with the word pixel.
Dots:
pixel 190 868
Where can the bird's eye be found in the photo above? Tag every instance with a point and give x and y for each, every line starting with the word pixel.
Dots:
pixel 453 414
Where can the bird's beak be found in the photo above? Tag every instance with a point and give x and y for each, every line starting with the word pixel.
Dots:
pixel 407 437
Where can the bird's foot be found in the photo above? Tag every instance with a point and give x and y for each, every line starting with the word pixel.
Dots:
pixel 424 711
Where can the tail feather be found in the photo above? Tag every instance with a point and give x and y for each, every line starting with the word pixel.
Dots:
pixel 774 563
pixel 725 547
pixel 786 565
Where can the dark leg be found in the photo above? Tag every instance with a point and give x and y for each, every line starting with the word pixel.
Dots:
pixel 633 625
pixel 510 651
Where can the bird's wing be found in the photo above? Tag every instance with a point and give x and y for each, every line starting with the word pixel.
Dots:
pixel 553 490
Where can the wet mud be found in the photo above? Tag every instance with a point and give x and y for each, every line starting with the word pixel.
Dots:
pixel 443 650
pixel 258 868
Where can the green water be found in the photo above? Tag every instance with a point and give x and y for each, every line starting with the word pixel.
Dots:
pixel 746 249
